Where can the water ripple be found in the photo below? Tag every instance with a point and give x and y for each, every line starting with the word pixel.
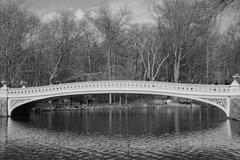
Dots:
pixel 31 141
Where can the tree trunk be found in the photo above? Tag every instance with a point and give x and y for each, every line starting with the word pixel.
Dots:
pixel 207 65
pixel 109 69
pixel 136 67
pixel 126 99
pixel 176 72
pixel 110 98
pixel 120 100
pixel 55 69
pixel 89 63
pixel 177 60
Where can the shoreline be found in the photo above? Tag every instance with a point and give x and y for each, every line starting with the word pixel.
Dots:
pixel 76 106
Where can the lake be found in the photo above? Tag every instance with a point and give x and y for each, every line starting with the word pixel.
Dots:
pixel 139 133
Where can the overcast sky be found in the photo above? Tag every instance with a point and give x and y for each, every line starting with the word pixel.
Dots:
pixel 46 8
pixel 140 8
pixel 60 4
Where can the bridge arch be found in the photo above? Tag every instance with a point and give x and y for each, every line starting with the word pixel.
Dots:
pixel 155 88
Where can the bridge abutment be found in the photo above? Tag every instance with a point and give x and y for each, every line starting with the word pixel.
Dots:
pixel 3 101
pixel 235 107
pixel 3 129
pixel 234 110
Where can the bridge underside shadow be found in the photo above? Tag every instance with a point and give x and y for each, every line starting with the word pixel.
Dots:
pixel 26 106
pixel 23 110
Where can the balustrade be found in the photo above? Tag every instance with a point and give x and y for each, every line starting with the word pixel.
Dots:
pixel 120 85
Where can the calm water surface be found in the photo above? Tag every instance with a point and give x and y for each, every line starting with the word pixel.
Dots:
pixel 146 133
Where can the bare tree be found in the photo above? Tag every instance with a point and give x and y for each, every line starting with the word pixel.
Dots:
pixel 17 39
pixel 59 36
pixel 110 25
pixel 217 6
pixel 184 23
pixel 150 49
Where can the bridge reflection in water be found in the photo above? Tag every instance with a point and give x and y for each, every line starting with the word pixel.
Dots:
pixel 124 133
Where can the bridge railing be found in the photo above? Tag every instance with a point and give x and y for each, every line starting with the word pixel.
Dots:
pixel 121 86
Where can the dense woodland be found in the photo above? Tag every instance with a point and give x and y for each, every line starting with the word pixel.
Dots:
pixel 182 44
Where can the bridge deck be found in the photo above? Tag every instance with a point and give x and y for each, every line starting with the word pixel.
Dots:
pixel 193 89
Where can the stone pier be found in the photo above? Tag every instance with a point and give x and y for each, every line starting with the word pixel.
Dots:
pixel 235 108
pixel 3 129
pixel 3 101
pixel 235 98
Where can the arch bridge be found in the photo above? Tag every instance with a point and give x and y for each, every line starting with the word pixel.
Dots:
pixel 225 97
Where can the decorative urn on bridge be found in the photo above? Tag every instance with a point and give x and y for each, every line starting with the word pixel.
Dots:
pixel 235 78
pixel 235 87
pixel 4 85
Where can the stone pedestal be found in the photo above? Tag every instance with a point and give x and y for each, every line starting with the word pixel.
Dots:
pixel 235 107
pixel 235 97
pixel 3 101
pixel 3 107
pixel 3 129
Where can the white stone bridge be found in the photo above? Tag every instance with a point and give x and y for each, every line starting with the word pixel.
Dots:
pixel 225 97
